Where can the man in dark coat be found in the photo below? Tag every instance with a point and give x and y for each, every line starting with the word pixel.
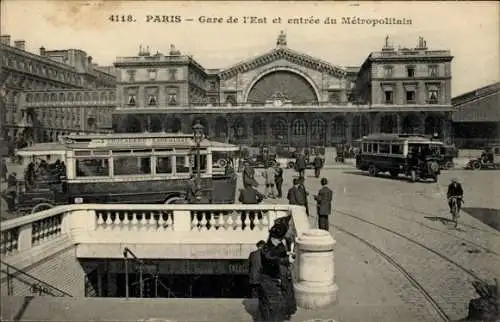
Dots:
pixel 292 192
pixel 250 196
pixel 278 179
pixel 254 269
pixel 4 170
pixel 249 176
pixel 302 195
pixel 324 201
pixel 455 190
pixel 318 165
pixel 301 164
pixel 276 294
pixel 191 190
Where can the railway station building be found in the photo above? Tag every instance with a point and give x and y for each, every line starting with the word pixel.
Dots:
pixel 285 97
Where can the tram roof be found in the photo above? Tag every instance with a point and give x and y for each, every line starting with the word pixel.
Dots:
pixel 43 149
pixel 400 137
pixel 142 140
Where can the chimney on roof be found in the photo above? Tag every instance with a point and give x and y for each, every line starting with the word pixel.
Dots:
pixel 20 44
pixel 42 51
pixel 5 40
pixel 89 59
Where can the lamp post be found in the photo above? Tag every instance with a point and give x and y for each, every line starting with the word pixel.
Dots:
pixel 198 137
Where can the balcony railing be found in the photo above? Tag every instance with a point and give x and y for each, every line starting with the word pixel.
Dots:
pixel 28 239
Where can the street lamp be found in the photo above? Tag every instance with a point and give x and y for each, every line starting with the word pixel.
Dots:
pixel 198 137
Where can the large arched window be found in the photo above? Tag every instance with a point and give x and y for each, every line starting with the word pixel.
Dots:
pixel 258 126
pixel 280 128
pixel 299 127
pixel 318 127
pixel 338 127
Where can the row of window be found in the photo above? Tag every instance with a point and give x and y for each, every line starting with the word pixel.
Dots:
pixel 70 96
pixel 152 74
pixel 42 70
pixel 383 148
pixel 411 96
pixel 136 165
pixel 432 71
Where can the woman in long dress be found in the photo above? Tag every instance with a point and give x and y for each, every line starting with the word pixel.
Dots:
pixel 274 300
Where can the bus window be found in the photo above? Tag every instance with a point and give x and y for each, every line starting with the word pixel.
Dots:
pixel 131 165
pixel 365 147
pixel 374 147
pixel 164 164
pixel 181 164
pixel 383 148
pixel 92 167
pixel 396 149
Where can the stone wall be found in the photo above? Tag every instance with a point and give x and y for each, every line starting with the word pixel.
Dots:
pixel 61 270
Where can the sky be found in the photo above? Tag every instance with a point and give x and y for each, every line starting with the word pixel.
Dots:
pixel 469 29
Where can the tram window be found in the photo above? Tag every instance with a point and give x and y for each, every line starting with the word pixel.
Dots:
pixel 396 149
pixel 131 165
pixel 383 148
pixel 164 164
pixel 181 164
pixel 94 167
pixel 365 147
pixel 374 147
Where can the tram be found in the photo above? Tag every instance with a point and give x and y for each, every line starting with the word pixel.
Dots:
pixel 136 168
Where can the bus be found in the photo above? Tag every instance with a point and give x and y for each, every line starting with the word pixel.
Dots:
pixel 134 168
pixel 415 156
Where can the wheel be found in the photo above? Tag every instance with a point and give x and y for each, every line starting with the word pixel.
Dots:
pixel 448 165
pixel 291 165
pixel 394 174
pixel 174 200
pixel 372 170
pixel 476 165
pixel 222 163
pixel 41 207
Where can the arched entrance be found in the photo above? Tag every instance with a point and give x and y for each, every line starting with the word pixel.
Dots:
pixel 132 124
pixel 173 125
pixel 318 132
pixel 220 127
pixel 360 126
pixel 238 129
pixel 411 124
pixel 433 125
pixel 339 126
pixel 284 85
pixel 155 124
pixel 279 130
pixel 388 124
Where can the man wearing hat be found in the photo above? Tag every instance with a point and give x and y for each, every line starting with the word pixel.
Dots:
pixel 324 201
pixel 455 190
pixel 292 192
pixel 276 294
pixel 249 175
pixel 302 194
pixel 255 267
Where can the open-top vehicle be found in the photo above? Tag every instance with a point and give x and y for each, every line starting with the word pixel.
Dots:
pixel 489 159
pixel 414 156
pixel 131 168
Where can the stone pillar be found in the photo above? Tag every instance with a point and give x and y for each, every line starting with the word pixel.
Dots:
pixel 315 284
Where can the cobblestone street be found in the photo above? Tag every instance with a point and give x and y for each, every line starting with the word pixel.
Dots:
pixel 397 248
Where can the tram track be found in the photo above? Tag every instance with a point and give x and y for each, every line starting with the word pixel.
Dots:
pixel 413 241
pixel 419 287
pixel 468 241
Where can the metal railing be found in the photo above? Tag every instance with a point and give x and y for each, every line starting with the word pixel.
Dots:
pixel 39 287
pixel 155 276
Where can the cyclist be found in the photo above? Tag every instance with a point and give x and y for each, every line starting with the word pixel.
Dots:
pixel 455 190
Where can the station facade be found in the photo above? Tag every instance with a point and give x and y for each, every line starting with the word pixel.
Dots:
pixel 286 97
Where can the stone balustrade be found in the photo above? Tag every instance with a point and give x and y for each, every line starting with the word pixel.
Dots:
pixel 175 231
pixel 143 224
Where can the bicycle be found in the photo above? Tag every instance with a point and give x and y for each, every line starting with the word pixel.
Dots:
pixel 455 208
